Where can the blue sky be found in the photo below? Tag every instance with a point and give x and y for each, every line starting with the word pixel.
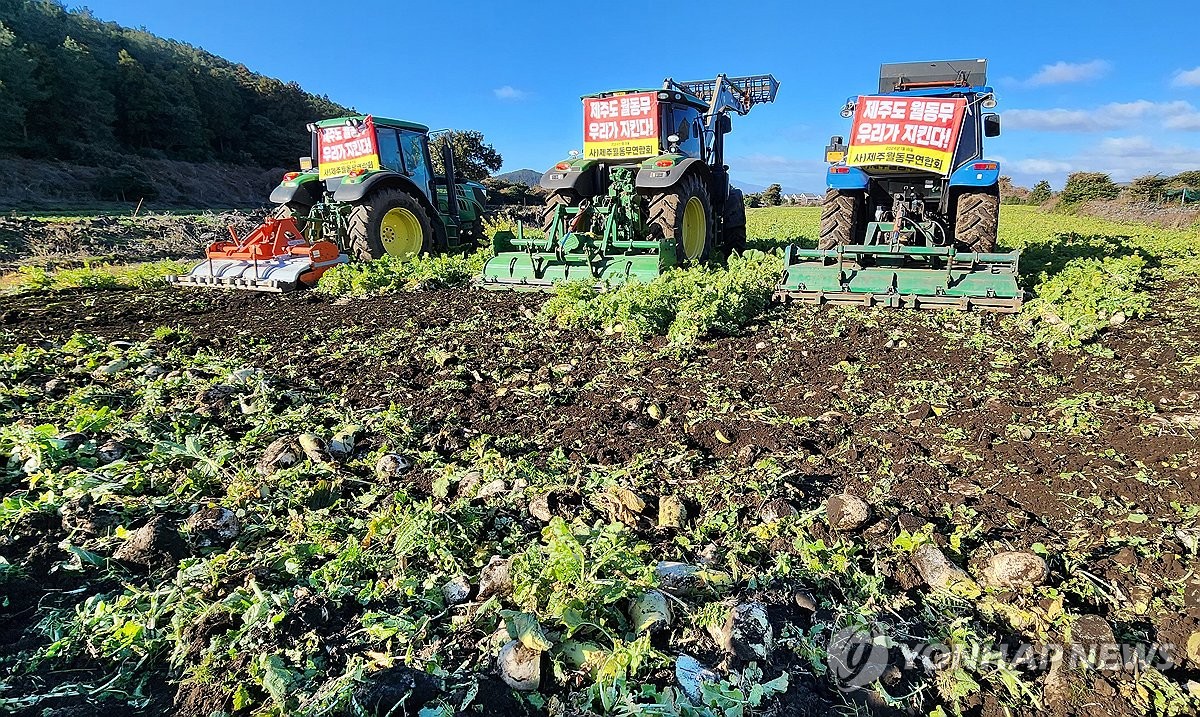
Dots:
pixel 1101 86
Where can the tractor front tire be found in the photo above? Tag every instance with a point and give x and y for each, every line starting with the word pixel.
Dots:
pixel 977 220
pixel 684 216
pixel 734 239
pixel 563 198
pixel 389 222
pixel 841 211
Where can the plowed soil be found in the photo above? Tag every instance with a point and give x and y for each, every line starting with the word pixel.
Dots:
pixel 922 414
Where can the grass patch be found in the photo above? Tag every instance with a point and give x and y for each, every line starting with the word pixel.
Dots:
pixel 682 304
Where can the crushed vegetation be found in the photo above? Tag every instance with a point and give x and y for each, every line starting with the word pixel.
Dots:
pixel 484 503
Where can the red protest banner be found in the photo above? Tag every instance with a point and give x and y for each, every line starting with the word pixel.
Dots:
pixel 345 148
pixel 911 132
pixel 621 126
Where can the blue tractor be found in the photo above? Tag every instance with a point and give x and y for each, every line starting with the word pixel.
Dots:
pixel 912 208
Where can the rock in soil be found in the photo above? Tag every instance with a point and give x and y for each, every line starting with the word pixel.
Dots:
pixel 520 667
pixel 313 447
pixel 650 612
pixel 495 579
pixel 391 466
pixel 671 512
pixel 157 544
pixel 776 510
pixel 746 633
pixel 457 590
pixel 846 512
pixel 936 570
pixel 341 448
pixel 692 675
pixel 281 453
pixel 72 440
pixel 212 526
pixel 805 600
pixel 396 691
pixel 1015 569
pixel 683 579
pixel 110 451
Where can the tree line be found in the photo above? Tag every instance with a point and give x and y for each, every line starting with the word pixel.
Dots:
pixel 75 88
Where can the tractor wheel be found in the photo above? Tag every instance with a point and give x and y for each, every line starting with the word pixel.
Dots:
pixel 389 222
pixel 293 210
pixel 735 223
pixel 684 215
pixel 840 216
pixel 976 220
pixel 564 198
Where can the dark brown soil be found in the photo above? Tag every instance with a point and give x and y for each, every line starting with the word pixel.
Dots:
pixel 898 406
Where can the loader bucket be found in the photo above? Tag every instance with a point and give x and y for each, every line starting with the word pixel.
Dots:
pixel 917 277
pixel 276 257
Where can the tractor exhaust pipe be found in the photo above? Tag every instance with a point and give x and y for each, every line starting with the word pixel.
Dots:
pixel 451 184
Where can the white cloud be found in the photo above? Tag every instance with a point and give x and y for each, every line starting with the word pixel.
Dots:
pixel 1064 72
pixel 1121 157
pixel 1115 115
pixel 1187 78
pixel 509 93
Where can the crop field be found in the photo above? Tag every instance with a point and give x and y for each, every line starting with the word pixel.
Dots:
pixel 398 494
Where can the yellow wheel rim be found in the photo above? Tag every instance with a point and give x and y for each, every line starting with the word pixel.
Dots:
pixel 694 229
pixel 401 235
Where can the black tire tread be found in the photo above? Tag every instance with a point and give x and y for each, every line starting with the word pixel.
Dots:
pixel 563 198
pixel 839 218
pixel 360 243
pixel 665 211
pixel 977 220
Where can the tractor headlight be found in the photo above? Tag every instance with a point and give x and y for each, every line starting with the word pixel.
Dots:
pixel 989 102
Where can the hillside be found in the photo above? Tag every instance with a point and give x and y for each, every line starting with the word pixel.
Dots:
pixel 78 89
pixel 528 177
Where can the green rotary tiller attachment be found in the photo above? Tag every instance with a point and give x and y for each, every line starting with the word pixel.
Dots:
pixel 890 272
pixel 607 242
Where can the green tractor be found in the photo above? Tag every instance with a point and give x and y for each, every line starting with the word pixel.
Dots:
pixel 649 192
pixel 374 188
pixel 372 193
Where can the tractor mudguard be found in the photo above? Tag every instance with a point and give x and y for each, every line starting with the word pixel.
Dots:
pixel 968 176
pixel 845 178
pixel 660 178
pixel 351 190
pixel 579 178
pixel 306 190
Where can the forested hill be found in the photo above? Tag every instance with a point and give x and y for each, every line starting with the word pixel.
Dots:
pixel 75 88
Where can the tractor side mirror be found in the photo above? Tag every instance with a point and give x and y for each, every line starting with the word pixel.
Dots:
pixel 724 124
pixel 991 125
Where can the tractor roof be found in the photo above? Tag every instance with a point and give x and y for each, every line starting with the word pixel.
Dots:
pixel 938 75
pixel 675 96
pixel 379 121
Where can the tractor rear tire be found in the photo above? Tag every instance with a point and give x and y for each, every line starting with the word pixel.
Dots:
pixel 734 238
pixel 841 213
pixel 293 210
pixel 976 220
pixel 669 212
pixel 365 226
pixel 563 198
